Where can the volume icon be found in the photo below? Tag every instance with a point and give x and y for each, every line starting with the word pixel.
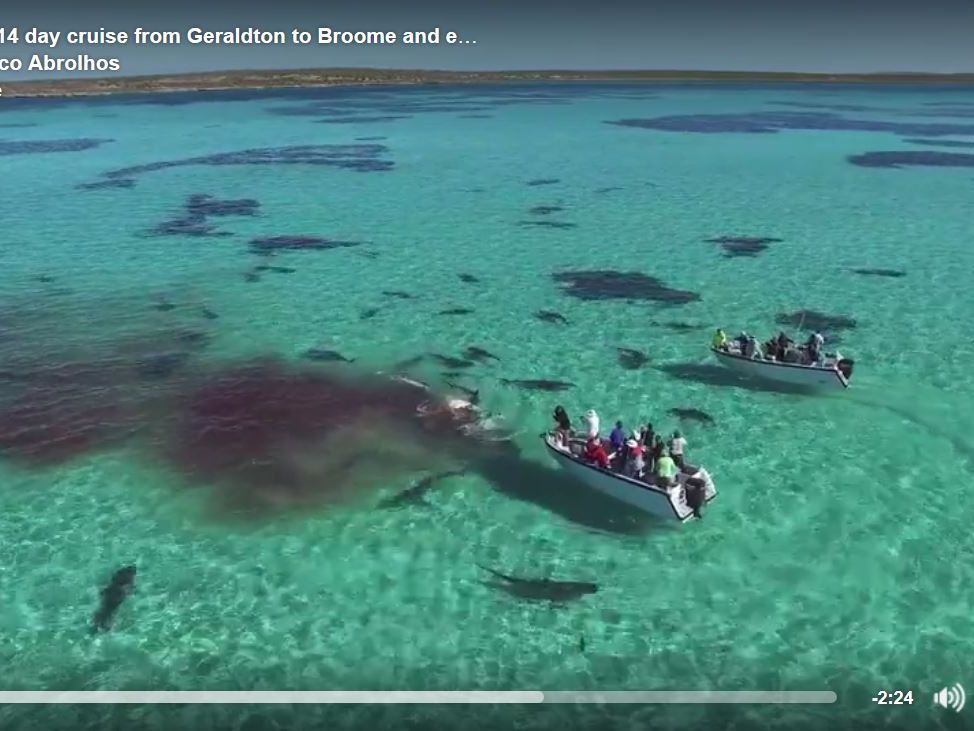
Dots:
pixel 952 697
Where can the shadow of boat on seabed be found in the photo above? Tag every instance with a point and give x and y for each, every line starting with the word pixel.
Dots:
pixel 549 488
pixel 715 375
pixel 709 374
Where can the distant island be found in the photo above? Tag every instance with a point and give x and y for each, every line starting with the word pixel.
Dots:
pixel 217 80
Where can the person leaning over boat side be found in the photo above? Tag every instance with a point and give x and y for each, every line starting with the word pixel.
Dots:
pixel 720 340
pixel 665 470
pixel 678 446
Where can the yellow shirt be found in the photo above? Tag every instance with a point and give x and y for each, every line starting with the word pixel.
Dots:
pixel 720 339
pixel 666 467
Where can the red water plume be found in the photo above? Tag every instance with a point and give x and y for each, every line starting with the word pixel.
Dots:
pixel 52 414
pixel 274 434
pixel 62 400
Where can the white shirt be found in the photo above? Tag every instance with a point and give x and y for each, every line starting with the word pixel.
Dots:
pixel 677 446
pixel 593 424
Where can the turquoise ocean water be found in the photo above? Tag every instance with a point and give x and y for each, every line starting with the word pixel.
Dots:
pixel 837 556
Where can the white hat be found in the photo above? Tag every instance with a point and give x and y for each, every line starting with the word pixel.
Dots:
pixel 632 444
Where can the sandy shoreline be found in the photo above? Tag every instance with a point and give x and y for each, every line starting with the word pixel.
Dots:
pixel 226 80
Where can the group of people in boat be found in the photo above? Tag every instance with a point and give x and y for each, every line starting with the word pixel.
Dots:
pixel 642 454
pixel 780 348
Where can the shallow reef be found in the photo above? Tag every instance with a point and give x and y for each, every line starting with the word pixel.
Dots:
pixel 773 122
pixel 912 158
pixel 362 158
pixel 35 147
pixel 265 245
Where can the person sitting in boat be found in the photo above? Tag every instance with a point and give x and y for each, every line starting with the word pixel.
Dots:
pixel 595 452
pixel 720 340
pixel 678 447
pixel 783 343
pixel 741 340
pixel 666 470
pixel 592 424
pixel 636 460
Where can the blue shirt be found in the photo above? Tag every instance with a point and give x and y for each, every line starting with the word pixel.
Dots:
pixel 617 438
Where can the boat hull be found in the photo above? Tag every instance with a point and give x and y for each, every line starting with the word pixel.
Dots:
pixel 801 376
pixel 670 506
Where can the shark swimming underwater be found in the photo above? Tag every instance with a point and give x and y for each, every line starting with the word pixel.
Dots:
pixel 541 589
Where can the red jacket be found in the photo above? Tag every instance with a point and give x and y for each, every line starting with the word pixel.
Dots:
pixel 595 452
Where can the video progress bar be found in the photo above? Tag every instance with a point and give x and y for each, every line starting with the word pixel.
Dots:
pixel 192 697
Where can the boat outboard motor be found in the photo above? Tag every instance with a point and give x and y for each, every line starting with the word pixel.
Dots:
pixel 695 490
pixel 845 366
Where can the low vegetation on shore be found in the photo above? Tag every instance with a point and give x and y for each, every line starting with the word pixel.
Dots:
pixel 332 77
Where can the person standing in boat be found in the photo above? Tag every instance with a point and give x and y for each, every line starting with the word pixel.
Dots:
pixel 636 462
pixel 816 347
pixel 617 441
pixel 563 430
pixel 666 470
pixel 656 452
pixel 752 348
pixel 618 437
pixel 678 446
pixel 720 340
pixel 647 435
pixel 646 439
pixel 592 424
